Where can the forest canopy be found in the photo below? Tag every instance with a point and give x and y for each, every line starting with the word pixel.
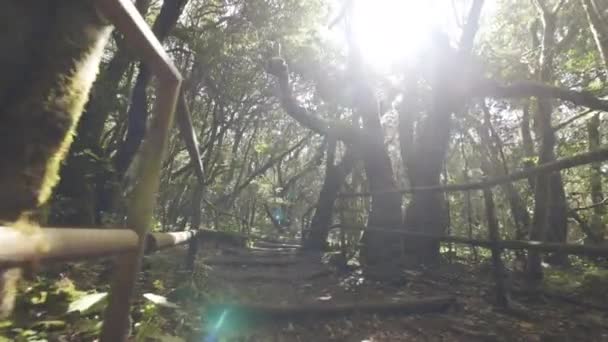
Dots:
pixel 294 102
pixel 374 136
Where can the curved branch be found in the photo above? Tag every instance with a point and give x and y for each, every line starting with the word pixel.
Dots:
pixel 491 88
pixel 339 130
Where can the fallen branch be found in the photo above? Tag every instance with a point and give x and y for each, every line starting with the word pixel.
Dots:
pixel 249 262
pixel 278 251
pixel 591 206
pixel 273 245
pixel 158 241
pixel 270 276
pixel 261 253
pixel 547 247
pixel 219 237
pixel 314 310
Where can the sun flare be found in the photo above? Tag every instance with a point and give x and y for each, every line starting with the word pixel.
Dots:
pixel 388 31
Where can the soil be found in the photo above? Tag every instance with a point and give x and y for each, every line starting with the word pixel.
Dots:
pixel 281 277
pixel 306 280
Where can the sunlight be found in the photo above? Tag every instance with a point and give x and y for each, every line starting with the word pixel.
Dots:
pixel 391 31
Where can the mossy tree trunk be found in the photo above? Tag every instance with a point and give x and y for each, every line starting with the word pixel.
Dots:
pixel 334 178
pixel 52 54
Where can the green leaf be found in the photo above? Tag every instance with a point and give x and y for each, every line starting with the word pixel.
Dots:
pixel 40 298
pixel 169 338
pixel 160 300
pixel 49 325
pixel 88 304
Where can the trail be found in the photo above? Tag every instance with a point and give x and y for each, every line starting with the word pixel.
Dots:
pixel 279 293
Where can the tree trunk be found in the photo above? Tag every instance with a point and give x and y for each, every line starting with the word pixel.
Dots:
pixel 52 53
pixel 197 200
pixel 76 202
pixel 334 177
pixel 138 110
pixel 599 28
pixel 381 253
pixel 597 226
pixel 426 211
pixel 527 141
pixel 550 207
pixel 496 165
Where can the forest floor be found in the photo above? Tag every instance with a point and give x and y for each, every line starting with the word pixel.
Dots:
pixel 206 305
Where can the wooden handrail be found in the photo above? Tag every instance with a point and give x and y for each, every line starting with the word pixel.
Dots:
pixel 541 246
pixel 65 244
pixel 60 244
pixel 126 18
pixel 558 165
pixel 158 241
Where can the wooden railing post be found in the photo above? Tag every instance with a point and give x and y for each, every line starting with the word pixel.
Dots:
pixel 499 272
pixel 124 15
pixel 197 198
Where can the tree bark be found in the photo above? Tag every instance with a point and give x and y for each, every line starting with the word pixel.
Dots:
pixel 495 155
pixel 431 143
pixel 77 201
pixel 379 254
pixel 549 190
pixel 52 53
pixel 138 111
pixel 598 27
pixel 527 141
pixel 597 226
pixel 334 177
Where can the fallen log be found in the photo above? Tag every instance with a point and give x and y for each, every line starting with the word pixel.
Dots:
pixel 250 261
pixel 269 276
pixel 566 248
pixel 265 253
pixel 266 244
pixel 222 238
pixel 250 312
pixel 274 250
pixel 158 241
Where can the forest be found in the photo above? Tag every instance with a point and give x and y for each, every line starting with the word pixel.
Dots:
pixel 304 170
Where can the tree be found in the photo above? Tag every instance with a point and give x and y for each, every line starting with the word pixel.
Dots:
pixel 55 49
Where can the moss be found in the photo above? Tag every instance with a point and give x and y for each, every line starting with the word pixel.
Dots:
pixel 55 50
pixel 40 112
pixel 595 283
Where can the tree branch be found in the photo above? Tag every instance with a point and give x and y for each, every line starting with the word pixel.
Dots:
pixel 471 26
pixel 560 164
pixel 339 130
pixel 268 165
pixel 572 119
pixel 594 205
pixel 491 88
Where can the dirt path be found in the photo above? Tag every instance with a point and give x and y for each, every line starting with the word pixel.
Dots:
pixel 279 279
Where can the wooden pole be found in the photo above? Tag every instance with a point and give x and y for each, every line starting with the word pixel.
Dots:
pixel 197 199
pixel 159 241
pixel 566 248
pixel 61 244
pixel 499 272
pixel 560 164
pixel 124 15
pixel 65 244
